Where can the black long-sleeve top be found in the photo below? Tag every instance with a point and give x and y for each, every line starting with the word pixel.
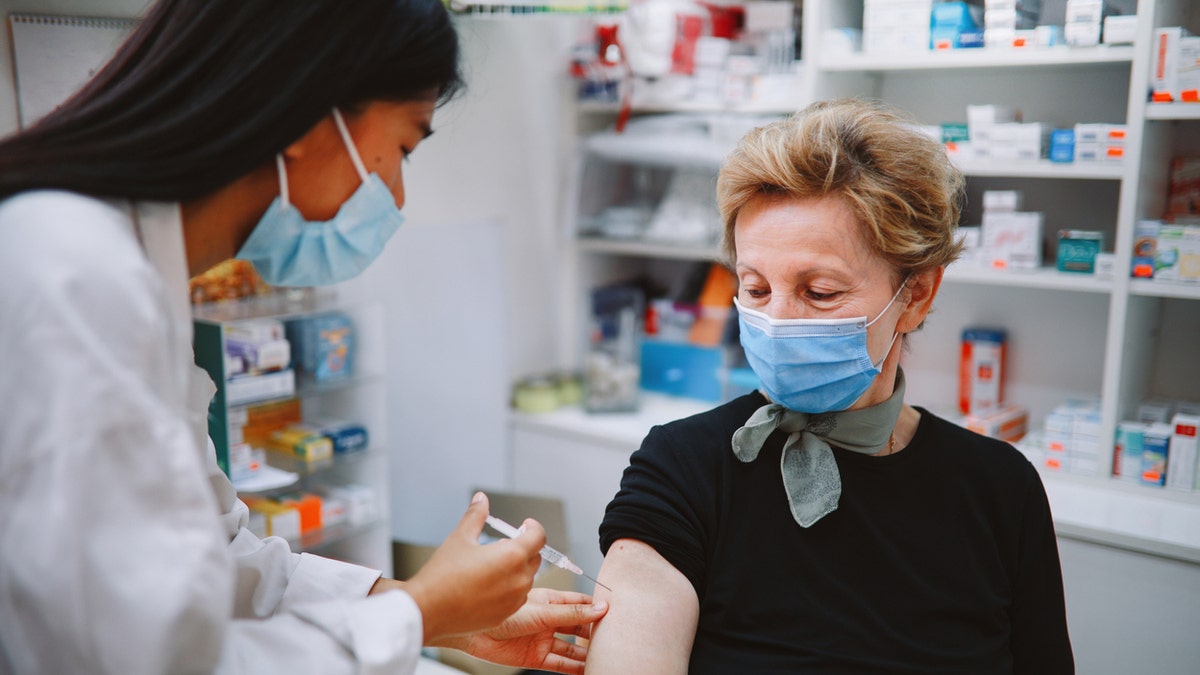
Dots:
pixel 940 558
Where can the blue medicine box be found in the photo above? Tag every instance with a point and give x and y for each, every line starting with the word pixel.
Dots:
pixel 323 346
pixel 1062 145
pixel 683 369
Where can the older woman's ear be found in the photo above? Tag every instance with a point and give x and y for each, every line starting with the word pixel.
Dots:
pixel 922 289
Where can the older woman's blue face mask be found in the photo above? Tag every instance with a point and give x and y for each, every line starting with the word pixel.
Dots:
pixel 820 310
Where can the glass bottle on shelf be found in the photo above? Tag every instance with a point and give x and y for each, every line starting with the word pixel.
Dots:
pixel 612 370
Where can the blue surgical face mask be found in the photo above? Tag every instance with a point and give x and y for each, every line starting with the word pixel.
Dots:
pixel 288 250
pixel 811 365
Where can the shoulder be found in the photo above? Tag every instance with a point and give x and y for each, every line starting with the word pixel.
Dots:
pixel 60 249
pixel 47 228
pixel 974 454
pixel 727 417
pixel 708 433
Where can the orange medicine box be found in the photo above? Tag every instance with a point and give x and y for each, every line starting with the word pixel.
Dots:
pixel 981 370
pixel 308 506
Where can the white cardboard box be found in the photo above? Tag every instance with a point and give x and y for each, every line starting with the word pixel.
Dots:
pixel 1175 72
pixel 1181 460
pixel 1012 240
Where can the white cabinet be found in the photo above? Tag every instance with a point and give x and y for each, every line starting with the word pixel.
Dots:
pixel 363 538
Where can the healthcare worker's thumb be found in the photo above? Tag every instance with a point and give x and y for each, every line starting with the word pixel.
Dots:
pixel 472 523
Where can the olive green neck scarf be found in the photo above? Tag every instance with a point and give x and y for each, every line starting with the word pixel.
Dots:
pixel 810 472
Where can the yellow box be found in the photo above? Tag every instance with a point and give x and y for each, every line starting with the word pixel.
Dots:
pixel 301 443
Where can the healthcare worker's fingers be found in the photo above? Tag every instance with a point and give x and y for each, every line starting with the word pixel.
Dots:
pixel 466 587
pixel 472 522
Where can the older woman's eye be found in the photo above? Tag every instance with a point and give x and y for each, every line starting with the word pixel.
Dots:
pixel 817 296
pixel 756 293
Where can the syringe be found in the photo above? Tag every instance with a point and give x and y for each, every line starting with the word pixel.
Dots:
pixel 548 554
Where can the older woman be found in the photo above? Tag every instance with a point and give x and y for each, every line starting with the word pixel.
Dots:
pixel 822 525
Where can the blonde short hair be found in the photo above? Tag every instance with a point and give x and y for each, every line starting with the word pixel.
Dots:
pixel 902 187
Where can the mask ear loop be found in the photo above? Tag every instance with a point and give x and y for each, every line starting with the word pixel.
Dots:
pixel 350 147
pixel 895 335
pixel 890 302
pixel 283 185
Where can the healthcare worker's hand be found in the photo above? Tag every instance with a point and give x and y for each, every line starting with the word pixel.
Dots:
pixel 527 639
pixel 466 587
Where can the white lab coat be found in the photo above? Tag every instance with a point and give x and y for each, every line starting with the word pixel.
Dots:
pixel 123 547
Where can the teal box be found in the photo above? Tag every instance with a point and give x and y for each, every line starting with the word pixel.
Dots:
pixel 683 369
pixel 1077 250
pixel 322 346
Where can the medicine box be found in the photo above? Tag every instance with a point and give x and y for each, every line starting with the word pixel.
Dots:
pixel 1062 145
pixel 682 369
pixel 281 520
pixel 1177 253
pixel 1083 21
pixel 1155 449
pixel 308 506
pixel 1003 200
pixel 1175 72
pixel 1077 250
pixel 950 21
pixel 1181 462
pixel 323 346
pixel 1012 240
pixel 981 370
pixel 1120 30
pixel 300 442
pixel 896 26
pixel 1007 423
pixel 1127 452
pixel 980 121
pixel 1145 243
pixel 345 436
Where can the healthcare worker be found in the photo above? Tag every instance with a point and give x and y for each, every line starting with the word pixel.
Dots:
pixel 271 130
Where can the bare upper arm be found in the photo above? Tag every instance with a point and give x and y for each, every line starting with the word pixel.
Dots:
pixel 652 615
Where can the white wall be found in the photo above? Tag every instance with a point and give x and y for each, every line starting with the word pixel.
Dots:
pixel 468 284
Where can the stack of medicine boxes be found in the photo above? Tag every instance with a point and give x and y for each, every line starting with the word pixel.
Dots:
pixel 1072 437
pixel 896 26
pixel 1160 448
pixel 1009 23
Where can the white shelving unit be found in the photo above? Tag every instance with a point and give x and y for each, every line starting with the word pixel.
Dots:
pixel 1071 336
pixel 1045 310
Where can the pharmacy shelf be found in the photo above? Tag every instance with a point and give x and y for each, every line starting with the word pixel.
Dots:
pixel 745 108
pixel 328 536
pixel 647 249
pixel 1173 111
pixel 978 58
pixel 659 149
pixel 339 460
pixel 706 153
pixel 623 429
pixel 1164 289
pixel 1134 519
pixel 283 304
pixel 1041 169
pixel 1043 278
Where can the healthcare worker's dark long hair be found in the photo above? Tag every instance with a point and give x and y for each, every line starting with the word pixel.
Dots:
pixel 205 91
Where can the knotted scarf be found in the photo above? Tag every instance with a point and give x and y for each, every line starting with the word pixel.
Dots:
pixel 810 472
